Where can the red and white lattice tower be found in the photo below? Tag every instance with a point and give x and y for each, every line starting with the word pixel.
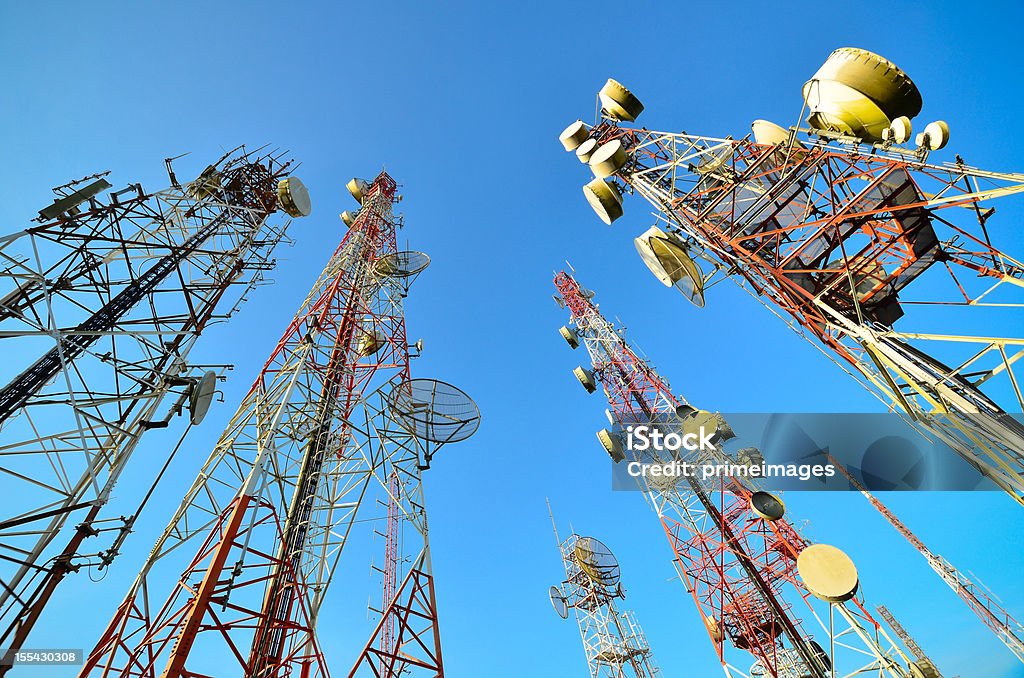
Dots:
pixel 884 260
pixel 237 581
pixel 973 593
pixel 734 551
pixel 112 289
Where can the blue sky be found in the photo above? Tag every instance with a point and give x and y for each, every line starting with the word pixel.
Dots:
pixel 462 102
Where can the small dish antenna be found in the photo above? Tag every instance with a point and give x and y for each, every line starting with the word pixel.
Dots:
pixel 201 396
pixel 666 256
pixel 605 199
pixel 559 602
pixel 293 197
pixel 767 506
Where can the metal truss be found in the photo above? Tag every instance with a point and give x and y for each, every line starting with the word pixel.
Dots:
pixel 973 593
pixel 739 569
pixel 613 640
pixel 871 253
pixel 262 529
pixel 112 292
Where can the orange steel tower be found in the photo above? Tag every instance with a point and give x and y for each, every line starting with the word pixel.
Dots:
pixel 752 575
pixel 112 289
pixel 973 593
pixel 237 581
pixel 885 260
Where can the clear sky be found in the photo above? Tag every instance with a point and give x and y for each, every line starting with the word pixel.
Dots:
pixel 463 102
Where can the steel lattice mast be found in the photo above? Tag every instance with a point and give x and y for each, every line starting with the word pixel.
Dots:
pixel 740 569
pixel 832 227
pixel 1009 631
pixel 113 291
pixel 613 641
pixel 332 418
pixel 928 669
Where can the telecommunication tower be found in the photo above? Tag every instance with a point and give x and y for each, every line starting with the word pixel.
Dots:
pixel 993 615
pixel 238 579
pixel 748 569
pixel 112 291
pixel 848 233
pixel 927 667
pixel 612 638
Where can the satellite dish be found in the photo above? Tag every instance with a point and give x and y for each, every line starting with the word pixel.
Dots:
pixel 370 341
pixel 574 135
pixel 597 561
pixel 935 136
pixel 608 159
pixel 293 197
pixel 749 456
pixel 402 264
pixel 605 199
pixel 828 573
pixel 612 444
pixel 618 103
pixel 924 668
pixel 858 93
pixel 899 130
pixel 586 378
pixel 570 336
pixel 434 411
pixel 685 410
pixel 714 629
pixel 585 150
pixel 419 345
pixel 201 396
pixel 358 188
pixel 349 218
pixel 559 602
pixel 768 133
pixel 666 257
pixel 767 506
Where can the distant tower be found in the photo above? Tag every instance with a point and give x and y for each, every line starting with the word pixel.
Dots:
pixel 754 578
pixel 112 290
pixel 237 582
pixel 1009 631
pixel 612 638
pixel 924 664
pixel 831 226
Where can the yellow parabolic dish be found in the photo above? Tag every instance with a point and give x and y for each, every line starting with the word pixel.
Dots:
pixel 605 199
pixel 293 197
pixel 668 261
pixel 858 93
pixel 828 573
pixel 573 135
pixel 618 102
pixel 608 159
pixel 767 132
pixel 586 149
